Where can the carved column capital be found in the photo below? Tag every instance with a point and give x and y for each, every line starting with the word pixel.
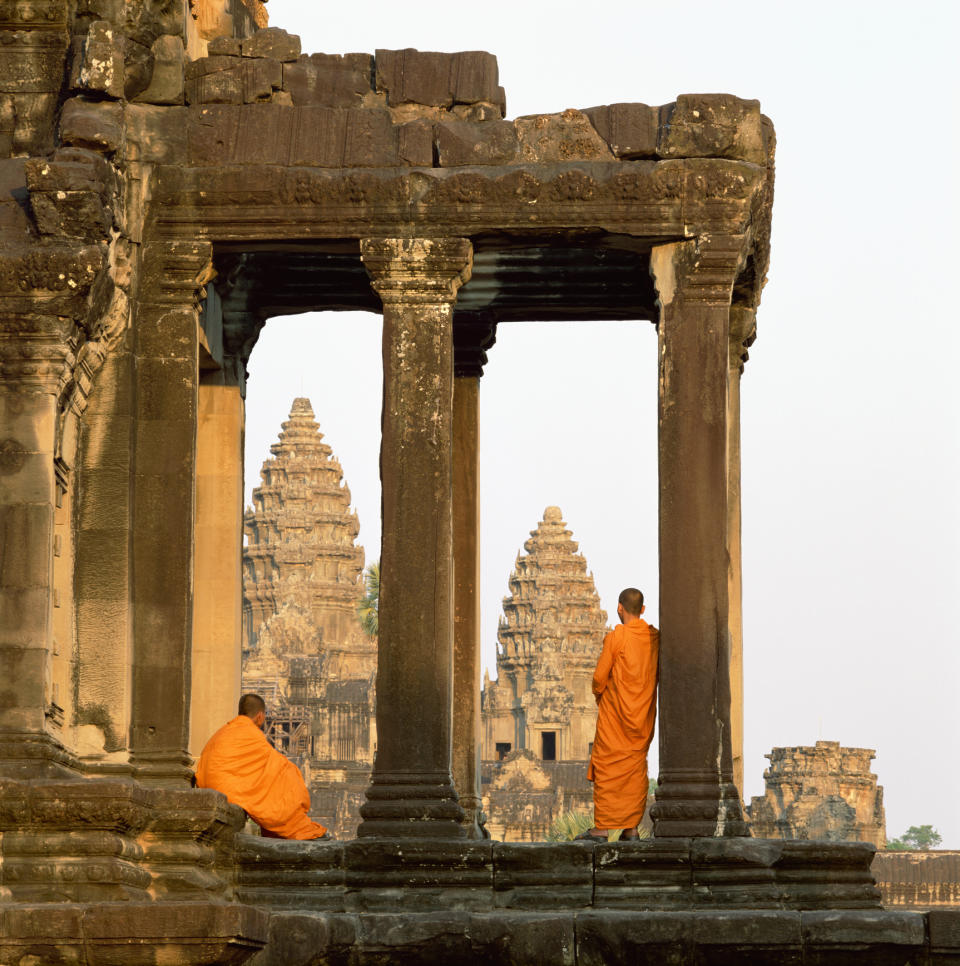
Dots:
pixel 702 270
pixel 743 333
pixel 177 272
pixel 417 270
pixel 473 335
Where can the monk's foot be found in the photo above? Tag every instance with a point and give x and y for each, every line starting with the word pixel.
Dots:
pixel 629 834
pixel 591 835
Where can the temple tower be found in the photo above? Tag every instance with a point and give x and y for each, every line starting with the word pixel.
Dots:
pixel 302 532
pixel 304 648
pixel 550 637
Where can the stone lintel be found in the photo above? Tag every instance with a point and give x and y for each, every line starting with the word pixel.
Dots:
pixel 657 200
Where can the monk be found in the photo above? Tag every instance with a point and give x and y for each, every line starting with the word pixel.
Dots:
pixel 625 686
pixel 240 762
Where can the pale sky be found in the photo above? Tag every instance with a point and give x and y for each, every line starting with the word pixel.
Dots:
pixel 851 434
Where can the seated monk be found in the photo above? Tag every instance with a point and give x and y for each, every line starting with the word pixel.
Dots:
pixel 625 686
pixel 240 762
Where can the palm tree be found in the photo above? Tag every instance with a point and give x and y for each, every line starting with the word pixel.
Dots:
pixel 368 610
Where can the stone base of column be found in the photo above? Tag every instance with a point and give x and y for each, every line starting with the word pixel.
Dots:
pixel 404 805
pixel 27 754
pixel 690 809
pixel 164 769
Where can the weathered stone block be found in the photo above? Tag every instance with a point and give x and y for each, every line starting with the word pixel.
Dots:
pixel 337 137
pixel 528 875
pixel 72 214
pixel 329 79
pixel 862 927
pixel 712 126
pixel 156 134
pixel 441 80
pixel 277 873
pixel 653 874
pixel 631 130
pixel 213 87
pixel 15 220
pixel 92 124
pixel 166 81
pixel 488 142
pixel 32 61
pixel 560 137
pixel 98 61
pixel 944 929
pixel 229 46
pixel 272 42
pixel 415 143
pixel 417 874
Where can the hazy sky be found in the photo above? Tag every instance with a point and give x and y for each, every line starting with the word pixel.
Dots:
pixel 851 435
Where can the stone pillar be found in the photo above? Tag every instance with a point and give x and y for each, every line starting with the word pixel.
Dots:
pixel 164 492
pixel 102 588
pixel 218 549
pixel 42 293
pixel 411 791
pixel 696 795
pixel 470 340
pixel 742 334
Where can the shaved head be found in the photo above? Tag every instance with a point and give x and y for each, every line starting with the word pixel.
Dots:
pixel 251 705
pixel 632 601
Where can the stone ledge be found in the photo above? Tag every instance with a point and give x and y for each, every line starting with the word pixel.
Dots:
pixel 657 874
pixel 603 938
pixel 131 933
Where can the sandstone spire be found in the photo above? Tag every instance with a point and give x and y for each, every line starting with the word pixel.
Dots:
pixel 305 651
pixel 301 536
pixel 540 708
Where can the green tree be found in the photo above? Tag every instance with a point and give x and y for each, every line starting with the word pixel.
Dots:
pixel 368 610
pixel 917 837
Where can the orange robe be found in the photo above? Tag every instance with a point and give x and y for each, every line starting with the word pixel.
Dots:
pixel 240 762
pixel 625 685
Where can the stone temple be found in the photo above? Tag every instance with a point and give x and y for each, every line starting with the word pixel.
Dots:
pixel 538 718
pixel 303 647
pixel 172 178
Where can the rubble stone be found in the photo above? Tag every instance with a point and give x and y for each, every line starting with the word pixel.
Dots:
pixel 560 137
pixel 166 81
pixel 271 42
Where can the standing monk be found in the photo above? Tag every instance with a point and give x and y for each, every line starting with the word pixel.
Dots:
pixel 625 686
pixel 240 762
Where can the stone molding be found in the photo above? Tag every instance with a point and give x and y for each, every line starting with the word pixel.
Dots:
pixel 417 271
pixel 743 333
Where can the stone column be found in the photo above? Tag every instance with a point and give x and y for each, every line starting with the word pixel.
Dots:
pixel 696 794
pixel 411 791
pixel 470 340
pixel 42 292
pixel 218 548
pixel 164 492
pixel 742 334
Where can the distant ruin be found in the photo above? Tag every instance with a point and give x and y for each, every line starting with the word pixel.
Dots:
pixel 822 792
pixel 304 649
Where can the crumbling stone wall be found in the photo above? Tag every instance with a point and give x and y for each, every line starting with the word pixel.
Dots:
pixel 820 792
